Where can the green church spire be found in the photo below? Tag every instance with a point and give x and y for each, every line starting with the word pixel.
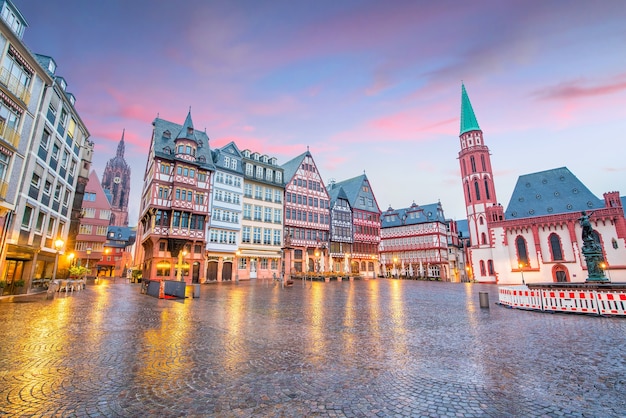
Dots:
pixel 468 118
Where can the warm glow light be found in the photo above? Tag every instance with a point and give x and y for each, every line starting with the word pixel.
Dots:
pixel 71 256
pixel 58 244
pixel 521 265
pixel 184 253
pixel 603 265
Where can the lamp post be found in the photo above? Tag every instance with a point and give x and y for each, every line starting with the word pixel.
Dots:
pixel 58 244
pixel 179 272
pixel 88 251
pixel 469 273
pixel 521 270
pixel 395 271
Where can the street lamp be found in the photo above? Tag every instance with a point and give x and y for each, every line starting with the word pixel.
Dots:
pixel 58 244
pixel 521 270
pixel 88 251
pixel 605 268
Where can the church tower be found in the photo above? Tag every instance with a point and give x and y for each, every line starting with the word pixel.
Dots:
pixel 116 184
pixel 478 187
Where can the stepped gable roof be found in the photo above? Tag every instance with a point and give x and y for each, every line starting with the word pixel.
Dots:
pixel 354 189
pixel 468 118
pixel 291 166
pixel 413 215
pixel 550 192
pixel 165 134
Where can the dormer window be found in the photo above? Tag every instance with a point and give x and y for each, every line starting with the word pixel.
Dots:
pixel 167 134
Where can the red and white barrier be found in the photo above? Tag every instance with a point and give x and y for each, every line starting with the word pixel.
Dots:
pixel 611 303
pixel 572 300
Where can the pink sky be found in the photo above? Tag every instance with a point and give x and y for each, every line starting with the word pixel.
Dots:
pixel 369 86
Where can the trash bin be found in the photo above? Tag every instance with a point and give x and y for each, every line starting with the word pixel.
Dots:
pixel 484 299
pixel 192 291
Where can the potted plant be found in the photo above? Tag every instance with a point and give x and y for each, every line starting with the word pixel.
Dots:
pixel 19 283
pixel 77 272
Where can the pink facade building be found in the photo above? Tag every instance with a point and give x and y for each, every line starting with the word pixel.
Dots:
pixel 307 214
pixel 95 218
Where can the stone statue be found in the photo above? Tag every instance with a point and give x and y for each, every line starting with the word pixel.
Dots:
pixel 587 234
pixel 592 251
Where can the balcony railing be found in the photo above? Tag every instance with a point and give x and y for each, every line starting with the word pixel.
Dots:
pixel 9 135
pixel 14 85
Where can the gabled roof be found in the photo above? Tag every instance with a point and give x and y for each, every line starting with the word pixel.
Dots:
pixel 291 166
pixel 468 118
pixel 165 134
pixel 228 150
pixel 548 193
pixel 354 189
pixel 413 215
pixel 337 193
pixel 120 233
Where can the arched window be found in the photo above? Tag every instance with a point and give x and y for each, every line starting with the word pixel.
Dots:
pixel 490 267
pixel 487 189
pixel 477 190
pixel 469 195
pixel 473 164
pixel 481 220
pixel 482 268
pixel 483 238
pixel 463 168
pixel 482 161
pixel 555 247
pixel 522 252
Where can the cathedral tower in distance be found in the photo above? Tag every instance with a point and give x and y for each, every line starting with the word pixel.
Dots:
pixel 116 183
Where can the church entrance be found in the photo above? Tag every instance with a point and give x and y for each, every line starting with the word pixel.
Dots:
pixel 560 274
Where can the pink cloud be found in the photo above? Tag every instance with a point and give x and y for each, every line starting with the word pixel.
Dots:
pixel 575 90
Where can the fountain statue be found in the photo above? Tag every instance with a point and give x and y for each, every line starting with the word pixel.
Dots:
pixel 592 251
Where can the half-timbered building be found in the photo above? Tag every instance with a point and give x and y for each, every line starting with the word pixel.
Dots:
pixel 175 203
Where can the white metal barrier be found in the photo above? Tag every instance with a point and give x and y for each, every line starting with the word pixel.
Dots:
pixel 575 300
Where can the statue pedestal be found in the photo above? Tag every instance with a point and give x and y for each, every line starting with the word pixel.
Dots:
pixel 594 259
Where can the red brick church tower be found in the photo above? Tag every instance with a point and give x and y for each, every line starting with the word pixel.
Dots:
pixel 116 183
pixel 478 185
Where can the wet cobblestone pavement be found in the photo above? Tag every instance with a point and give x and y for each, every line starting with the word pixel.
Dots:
pixel 374 348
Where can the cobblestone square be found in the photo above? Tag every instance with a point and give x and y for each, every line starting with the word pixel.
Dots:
pixel 340 349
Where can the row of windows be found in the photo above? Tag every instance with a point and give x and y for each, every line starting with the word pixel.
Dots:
pixel 302 215
pixel 261 192
pixel 473 164
pixel 266 173
pixel 179 219
pixel 91 213
pixel 85 229
pixel 227 197
pixel 59 190
pixel 27 218
pixel 309 184
pixel 225 216
pixel 308 234
pixel 228 179
pixel 242 263
pixel 307 200
pixel 184 171
pixel 253 235
pixel 261 213
pixel 222 237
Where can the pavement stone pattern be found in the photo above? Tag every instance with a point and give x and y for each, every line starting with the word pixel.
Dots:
pixel 372 348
